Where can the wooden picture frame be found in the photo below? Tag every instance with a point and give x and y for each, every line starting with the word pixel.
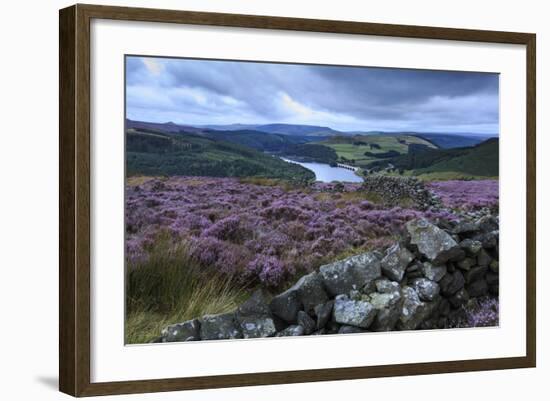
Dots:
pixel 74 203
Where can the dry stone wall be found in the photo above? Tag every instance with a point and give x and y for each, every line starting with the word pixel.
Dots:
pixel 421 282
pixel 395 190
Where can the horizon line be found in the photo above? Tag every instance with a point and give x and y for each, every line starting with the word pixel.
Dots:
pixel 320 126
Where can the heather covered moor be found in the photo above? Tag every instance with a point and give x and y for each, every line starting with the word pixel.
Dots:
pixel 268 233
pixel 267 209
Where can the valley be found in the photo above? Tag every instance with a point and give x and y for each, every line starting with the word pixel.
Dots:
pixel 242 150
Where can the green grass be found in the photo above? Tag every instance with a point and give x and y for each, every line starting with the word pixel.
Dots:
pixel 168 288
pixel 344 146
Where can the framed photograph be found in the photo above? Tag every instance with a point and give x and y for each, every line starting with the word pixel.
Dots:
pixel 249 200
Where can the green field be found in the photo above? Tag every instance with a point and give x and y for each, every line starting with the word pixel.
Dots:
pixel 354 148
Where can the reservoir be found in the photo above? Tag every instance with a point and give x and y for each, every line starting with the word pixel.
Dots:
pixel 325 173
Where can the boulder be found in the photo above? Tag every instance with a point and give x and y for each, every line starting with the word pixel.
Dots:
pixel 257 326
pixel 306 322
pixel 434 243
pixel 186 331
pixel 413 310
pixel 352 273
pixel 286 305
pixel 256 305
pixel 388 306
pixel 254 317
pixel 353 313
pixel 395 262
pixel 451 283
pixel 219 327
pixel 323 313
pixel 434 273
pixel 291 331
pixel 311 291
pixel 427 290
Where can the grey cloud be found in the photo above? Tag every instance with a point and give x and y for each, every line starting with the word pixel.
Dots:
pixel 349 98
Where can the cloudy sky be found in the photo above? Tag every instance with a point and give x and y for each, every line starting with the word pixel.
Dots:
pixel 197 92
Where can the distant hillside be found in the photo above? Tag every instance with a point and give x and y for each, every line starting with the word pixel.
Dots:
pixel 260 140
pixel 311 152
pixel 447 141
pixel 163 127
pixel 294 129
pixel 229 127
pixel 364 149
pixel 157 153
pixel 302 131
pixel 479 160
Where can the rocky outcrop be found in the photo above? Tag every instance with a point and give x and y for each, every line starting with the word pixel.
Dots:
pixel 420 282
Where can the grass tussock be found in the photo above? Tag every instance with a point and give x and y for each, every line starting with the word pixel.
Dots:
pixel 169 288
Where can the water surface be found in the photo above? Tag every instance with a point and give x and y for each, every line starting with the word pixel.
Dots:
pixel 325 173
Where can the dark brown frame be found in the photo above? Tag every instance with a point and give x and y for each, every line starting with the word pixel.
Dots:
pixel 74 202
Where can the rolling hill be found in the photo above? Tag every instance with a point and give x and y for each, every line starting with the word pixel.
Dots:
pixel 282 129
pixel 481 160
pixel 259 140
pixel 169 127
pixel 448 141
pixel 300 130
pixel 156 153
